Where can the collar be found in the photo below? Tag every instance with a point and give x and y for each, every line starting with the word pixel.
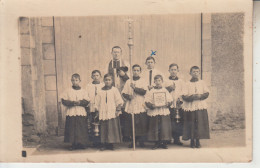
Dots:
pixel 115 60
pixel 96 82
pixel 194 80
pixel 173 78
pixel 135 78
pixel 156 87
pixel 76 87
pixel 106 87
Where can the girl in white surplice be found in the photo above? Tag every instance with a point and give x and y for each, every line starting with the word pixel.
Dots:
pixel 109 103
pixel 76 128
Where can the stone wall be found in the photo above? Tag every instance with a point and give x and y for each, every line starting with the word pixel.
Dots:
pixel 226 71
pixel 38 78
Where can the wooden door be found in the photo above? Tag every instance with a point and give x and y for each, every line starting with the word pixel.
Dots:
pixel 83 44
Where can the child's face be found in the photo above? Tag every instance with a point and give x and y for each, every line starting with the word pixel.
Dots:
pixel 195 73
pixel 150 64
pixel 108 81
pixel 158 82
pixel 116 53
pixel 96 77
pixel 173 71
pixel 75 81
pixel 121 73
pixel 136 71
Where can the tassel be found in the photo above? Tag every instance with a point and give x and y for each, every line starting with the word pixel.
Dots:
pixel 106 97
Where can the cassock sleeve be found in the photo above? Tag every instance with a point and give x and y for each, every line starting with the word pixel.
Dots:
pixel 140 91
pixel 126 96
pixel 67 103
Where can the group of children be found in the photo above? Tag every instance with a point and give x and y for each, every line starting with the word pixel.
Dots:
pixel 184 112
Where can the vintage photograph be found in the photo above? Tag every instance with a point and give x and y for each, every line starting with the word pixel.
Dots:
pixel 132 83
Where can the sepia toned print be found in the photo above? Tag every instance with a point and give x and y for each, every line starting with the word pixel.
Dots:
pixel 209 105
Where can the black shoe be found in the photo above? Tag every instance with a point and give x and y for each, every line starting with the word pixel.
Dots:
pixel 192 144
pixel 156 146
pixel 141 144
pixel 110 147
pixel 164 146
pixel 198 144
pixel 178 142
pixel 130 145
pixel 81 146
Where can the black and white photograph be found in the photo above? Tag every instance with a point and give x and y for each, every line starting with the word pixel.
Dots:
pixel 120 88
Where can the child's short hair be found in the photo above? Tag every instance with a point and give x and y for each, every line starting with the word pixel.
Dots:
pixel 122 68
pixel 96 71
pixel 158 77
pixel 136 65
pixel 150 58
pixel 108 75
pixel 75 75
pixel 194 67
pixel 172 65
pixel 116 47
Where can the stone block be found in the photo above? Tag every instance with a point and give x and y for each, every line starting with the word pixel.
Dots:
pixel 47 35
pixel 49 67
pixel 25 56
pixel 51 98
pixel 32 41
pixel 25 41
pixel 47 21
pixel 28 119
pixel 48 51
pixel 24 25
pixel 52 117
pixel 50 83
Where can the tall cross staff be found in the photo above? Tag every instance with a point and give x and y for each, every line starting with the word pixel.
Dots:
pixel 130 45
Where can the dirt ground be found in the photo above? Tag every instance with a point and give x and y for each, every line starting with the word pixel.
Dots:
pixel 218 139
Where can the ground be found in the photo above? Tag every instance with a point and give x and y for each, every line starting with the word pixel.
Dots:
pixel 219 139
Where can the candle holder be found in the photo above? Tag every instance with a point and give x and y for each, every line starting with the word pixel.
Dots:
pixel 96 128
pixel 178 106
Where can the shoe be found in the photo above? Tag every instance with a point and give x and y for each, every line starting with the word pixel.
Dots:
pixel 141 144
pixel 164 146
pixel 130 145
pixel 156 146
pixel 72 147
pixel 198 144
pixel 178 142
pixel 102 147
pixel 110 147
pixel 192 144
pixel 81 146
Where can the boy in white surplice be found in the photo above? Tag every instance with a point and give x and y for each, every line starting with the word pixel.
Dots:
pixel 109 103
pixel 176 86
pixel 75 99
pixel 134 92
pixel 159 129
pixel 195 116
pixel 93 89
